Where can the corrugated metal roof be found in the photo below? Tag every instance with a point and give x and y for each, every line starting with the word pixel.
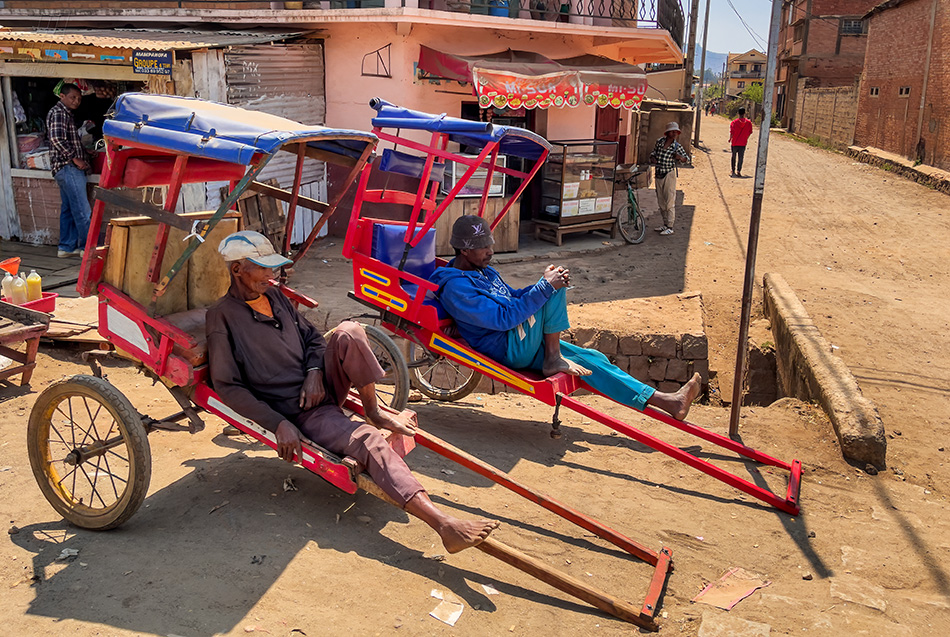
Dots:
pixel 146 39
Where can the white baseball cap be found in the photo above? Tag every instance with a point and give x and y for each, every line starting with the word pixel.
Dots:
pixel 252 246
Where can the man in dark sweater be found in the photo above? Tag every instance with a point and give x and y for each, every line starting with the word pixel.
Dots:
pixel 271 365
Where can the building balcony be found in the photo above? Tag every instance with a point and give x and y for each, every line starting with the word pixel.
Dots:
pixel 659 14
pixel 743 75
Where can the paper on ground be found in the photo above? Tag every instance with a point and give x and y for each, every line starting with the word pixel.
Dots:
pixel 733 587
pixel 449 609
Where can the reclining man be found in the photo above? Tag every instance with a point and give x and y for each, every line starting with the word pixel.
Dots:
pixel 521 328
pixel 271 365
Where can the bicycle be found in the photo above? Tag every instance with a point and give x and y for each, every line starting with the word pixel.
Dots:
pixel 630 221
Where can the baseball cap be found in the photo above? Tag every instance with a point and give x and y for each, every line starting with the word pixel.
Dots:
pixel 252 246
pixel 470 232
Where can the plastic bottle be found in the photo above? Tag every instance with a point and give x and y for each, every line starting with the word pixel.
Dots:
pixel 7 286
pixel 34 286
pixel 18 292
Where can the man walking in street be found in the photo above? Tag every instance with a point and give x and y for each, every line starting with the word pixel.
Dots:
pixel 666 153
pixel 69 164
pixel 739 131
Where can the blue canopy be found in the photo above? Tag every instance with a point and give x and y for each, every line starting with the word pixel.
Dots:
pixel 218 131
pixel 513 141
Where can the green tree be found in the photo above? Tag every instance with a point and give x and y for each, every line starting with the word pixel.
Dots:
pixel 713 92
pixel 753 93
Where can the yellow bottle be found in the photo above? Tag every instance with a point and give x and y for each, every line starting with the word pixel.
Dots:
pixel 34 286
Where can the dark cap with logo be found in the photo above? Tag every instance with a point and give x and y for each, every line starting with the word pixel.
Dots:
pixel 471 233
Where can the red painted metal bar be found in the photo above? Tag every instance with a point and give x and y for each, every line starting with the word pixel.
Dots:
pixel 292 207
pixel 349 245
pixel 421 191
pixel 333 204
pixel 458 456
pixel 687 458
pixel 488 177
pixel 717 439
pixel 528 177
pixel 441 152
pixel 161 235
pixel 795 482
pixel 663 567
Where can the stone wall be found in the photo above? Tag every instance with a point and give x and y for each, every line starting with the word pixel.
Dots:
pixel 827 114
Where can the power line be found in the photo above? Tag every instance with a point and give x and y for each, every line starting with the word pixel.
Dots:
pixel 755 36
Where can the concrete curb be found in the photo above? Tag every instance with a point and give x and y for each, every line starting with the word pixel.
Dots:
pixel 808 370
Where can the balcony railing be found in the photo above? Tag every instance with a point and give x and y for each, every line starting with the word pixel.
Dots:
pixel 659 14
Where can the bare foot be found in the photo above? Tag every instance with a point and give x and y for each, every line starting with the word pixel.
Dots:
pixel 561 364
pixel 458 535
pixel 685 396
pixel 404 422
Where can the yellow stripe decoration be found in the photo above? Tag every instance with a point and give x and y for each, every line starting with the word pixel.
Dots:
pixel 391 301
pixel 378 278
pixel 438 344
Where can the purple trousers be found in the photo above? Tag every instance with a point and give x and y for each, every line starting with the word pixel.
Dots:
pixel 349 362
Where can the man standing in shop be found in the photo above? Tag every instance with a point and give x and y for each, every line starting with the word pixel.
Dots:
pixel 665 154
pixel 69 164
pixel 739 131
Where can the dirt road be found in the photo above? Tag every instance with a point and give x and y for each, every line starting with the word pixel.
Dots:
pixel 220 548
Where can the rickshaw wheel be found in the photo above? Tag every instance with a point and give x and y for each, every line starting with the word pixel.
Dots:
pixel 89 452
pixel 393 390
pixel 441 378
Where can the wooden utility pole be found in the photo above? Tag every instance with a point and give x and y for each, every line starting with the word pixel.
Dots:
pixel 690 51
pixel 756 216
pixel 702 78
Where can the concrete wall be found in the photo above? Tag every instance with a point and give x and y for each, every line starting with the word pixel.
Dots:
pixel 827 114
pixel 889 120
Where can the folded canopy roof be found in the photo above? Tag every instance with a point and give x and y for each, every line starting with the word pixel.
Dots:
pixel 513 141
pixel 218 131
pixel 518 79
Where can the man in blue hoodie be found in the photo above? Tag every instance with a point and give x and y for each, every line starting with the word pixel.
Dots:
pixel 521 328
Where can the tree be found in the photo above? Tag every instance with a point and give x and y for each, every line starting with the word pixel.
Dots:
pixel 753 93
pixel 713 92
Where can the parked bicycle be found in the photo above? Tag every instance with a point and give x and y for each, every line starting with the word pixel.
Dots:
pixel 630 220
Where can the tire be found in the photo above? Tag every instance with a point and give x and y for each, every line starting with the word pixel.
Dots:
pixel 73 416
pixel 440 378
pixel 393 390
pixel 631 225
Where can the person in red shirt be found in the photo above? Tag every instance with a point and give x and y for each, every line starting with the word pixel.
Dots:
pixel 739 131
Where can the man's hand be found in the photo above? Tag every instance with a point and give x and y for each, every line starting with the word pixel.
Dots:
pixel 288 441
pixel 312 392
pixel 80 163
pixel 559 277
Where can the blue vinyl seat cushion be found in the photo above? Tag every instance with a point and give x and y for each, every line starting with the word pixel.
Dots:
pixel 389 245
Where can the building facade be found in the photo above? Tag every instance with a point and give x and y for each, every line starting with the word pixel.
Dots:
pixel 821 44
pixel 743 70
pixel 904 95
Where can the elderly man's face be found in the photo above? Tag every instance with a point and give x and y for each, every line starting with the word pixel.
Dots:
pixel 71 99
pixel 252 279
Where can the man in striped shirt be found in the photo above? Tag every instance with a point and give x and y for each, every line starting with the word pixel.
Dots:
pixel 69 164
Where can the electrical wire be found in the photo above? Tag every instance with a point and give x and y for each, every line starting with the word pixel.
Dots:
pixel 755 36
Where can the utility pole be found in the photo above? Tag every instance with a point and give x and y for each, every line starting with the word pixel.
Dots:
pixel 756 216
pixel 690 50
pixel 702 77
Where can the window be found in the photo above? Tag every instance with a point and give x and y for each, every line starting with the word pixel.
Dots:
pixel 740 84
pixel 799 32
pixel 757 68
pixel 742 68
pixel 903 91
pixel 875 91
pixel 853 27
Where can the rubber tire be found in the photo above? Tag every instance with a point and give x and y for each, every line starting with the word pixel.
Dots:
pixel 631 232
pixel 136 441
pixel 446 394
pixel 392 359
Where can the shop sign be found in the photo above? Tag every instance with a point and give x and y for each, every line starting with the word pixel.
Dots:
pixel 152 62
pixel 604 95
pixel 503 89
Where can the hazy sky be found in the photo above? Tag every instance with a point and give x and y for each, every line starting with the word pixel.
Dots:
pixel 726 33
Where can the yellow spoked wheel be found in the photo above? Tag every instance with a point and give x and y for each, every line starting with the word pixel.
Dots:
pixel 89 452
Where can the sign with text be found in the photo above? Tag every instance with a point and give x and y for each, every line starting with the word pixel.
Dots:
pixel 152 62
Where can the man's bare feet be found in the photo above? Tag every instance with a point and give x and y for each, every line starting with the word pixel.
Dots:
pixel 686 395
pixel 458 535
pixel 404 422
pixel 561 364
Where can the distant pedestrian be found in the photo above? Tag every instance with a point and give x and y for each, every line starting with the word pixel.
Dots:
pixel 739 131
pixel 666 153
pixel 706 108
pixel 712 109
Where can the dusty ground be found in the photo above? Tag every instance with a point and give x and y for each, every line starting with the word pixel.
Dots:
pixel 219 547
